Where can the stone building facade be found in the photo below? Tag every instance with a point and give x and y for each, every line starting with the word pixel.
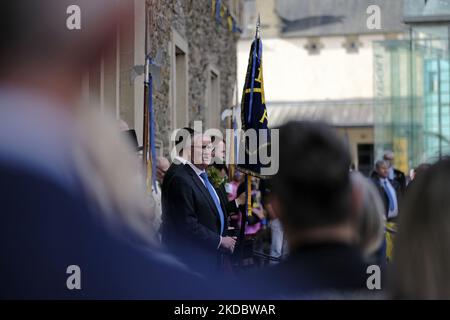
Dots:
pixel 195 48
pixel 197 67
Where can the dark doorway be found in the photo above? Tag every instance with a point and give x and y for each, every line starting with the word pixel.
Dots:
pixel 365 158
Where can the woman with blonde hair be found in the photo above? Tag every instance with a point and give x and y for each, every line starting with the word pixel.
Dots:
pixel 111 172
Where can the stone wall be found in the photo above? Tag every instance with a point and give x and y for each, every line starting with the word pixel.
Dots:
pixel 208 44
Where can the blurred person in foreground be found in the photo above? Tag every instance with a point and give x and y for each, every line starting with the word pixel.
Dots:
pixel 417 172
pixel 372 221
pixel 69 196
pixel 317 207
pixel 422 261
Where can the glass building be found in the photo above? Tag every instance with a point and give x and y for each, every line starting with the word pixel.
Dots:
pixel 412 87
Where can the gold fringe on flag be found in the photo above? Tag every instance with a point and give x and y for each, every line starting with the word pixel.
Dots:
pixel 230 23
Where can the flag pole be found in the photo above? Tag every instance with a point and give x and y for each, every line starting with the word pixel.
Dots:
pixel 145 111
pixel 248 178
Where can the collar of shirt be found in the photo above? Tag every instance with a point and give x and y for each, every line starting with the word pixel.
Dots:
pixel 180 160
pixel 197 171
pixel 391 172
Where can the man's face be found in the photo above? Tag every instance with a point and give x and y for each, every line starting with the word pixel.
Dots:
pixel 383 171
pixel 201 151
pixel 219 151
pixel 161 170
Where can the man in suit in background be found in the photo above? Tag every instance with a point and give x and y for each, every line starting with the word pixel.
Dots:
pixel 389 189
pixel 393 173
pixel 195 219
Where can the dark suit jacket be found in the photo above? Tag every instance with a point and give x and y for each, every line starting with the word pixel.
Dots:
pixel 383 195
pixel 173 168
pixel 191 222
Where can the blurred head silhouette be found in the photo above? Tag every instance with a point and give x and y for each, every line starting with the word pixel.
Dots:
pixel 42 62
pixel 39 51
pixel 372 219
pixel 421 259
pixel 313 184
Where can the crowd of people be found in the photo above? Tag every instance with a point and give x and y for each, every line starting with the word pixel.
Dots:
pixel 72 195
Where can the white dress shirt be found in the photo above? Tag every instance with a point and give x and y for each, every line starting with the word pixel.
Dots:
pixel 179 160
pixel 199 172
pixel 391 173
pixel 392 213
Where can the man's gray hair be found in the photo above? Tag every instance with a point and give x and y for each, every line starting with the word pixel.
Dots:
pixel 380 163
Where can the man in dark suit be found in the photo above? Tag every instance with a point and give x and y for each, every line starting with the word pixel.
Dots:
pixel 313 197
pixel 393 173
pixel 390 190
pixel 195 221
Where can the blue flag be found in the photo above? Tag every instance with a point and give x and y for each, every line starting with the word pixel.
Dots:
pixel 254 118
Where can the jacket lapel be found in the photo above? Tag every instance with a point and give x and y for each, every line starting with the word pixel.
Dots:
pixel 222 199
